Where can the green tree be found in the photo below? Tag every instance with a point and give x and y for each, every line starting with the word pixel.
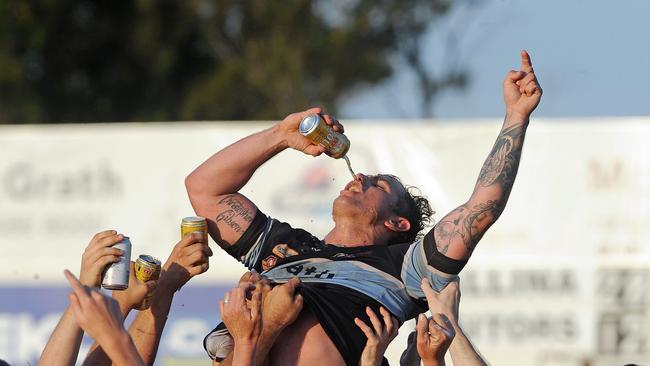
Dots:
pixel 144 60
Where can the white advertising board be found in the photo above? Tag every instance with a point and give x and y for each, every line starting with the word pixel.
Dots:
pixel 560 279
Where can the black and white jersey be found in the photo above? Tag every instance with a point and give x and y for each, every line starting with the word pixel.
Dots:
pixel 338 282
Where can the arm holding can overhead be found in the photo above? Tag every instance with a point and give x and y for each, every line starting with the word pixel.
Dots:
pixel 188 258
pixel 213 186
pixel 63 346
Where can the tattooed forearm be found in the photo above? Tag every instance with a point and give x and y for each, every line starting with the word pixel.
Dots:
pixel 466 225
pixel 501 165
pixel 235 215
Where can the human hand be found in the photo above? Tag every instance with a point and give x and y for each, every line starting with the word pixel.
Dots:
pixel 95 313
pixel 290 128
pixel 379 336
pixel 280 307
pixel 445 301
pixel 243 320
pixel 433 338
pixel 97 255
pixel 188 259
pixel 134 296
pixel 521 90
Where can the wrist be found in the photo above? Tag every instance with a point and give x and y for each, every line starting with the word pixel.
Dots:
pixel 515 116
pixel 279 137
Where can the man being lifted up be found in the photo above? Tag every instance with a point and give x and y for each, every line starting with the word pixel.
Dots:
pixel 373 255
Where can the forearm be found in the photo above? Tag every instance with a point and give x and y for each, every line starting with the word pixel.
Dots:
pixel 147 327
pixel 265 343
pixel 122 351
pixel 463 352
pixel 63 346
pixel 228 170
pixel 244 355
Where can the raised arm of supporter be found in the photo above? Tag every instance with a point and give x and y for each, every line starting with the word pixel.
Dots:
pixel 63 346
pixel 447 302
pixel 434 335
pixel 100 317
pixel 379 336
pixel 244 324
pixel 280 307
pixel 188 259
pixel 458 233
pixel 213 187
pixel 128 299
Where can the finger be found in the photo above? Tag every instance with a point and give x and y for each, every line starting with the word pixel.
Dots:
pixel 374 319
pixel 298 301
pixel 395 327
pixel 246 277
pixel 102 234
pixel 388 321
pixel 221 305
pixel 526 63
pixel 364 328
pixel 291 285
pixel 425 285
pixel 333 122
pixel 441 320
pixel 314 150
pixel 77 287
pixel 256 305
pixel 422 328
pixel 513 76
pixel 315 110
pixel 101 252
pixel 151 285
pixel 531 88
pixel 207 250
pixel 108 241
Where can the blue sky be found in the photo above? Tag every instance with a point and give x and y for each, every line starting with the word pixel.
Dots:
pixel 592 59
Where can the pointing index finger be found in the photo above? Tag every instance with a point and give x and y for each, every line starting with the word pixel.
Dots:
pixel 526 63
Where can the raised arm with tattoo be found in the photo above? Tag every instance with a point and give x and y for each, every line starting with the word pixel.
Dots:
pixel 458 233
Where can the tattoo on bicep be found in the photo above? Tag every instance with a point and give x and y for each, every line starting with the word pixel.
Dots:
pixel 234 214
pixel 479 219
pixel 466 225
pixel 501 165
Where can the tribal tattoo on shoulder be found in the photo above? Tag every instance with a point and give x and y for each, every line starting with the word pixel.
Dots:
pixel 468 223
pixel 236 214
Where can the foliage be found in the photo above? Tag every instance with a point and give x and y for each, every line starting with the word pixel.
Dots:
pixel 143 60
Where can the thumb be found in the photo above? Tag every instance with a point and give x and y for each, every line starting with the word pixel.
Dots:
pixel 314 110
pixel 292 284
pixel 422 327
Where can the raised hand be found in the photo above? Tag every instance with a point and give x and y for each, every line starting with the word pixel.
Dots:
pixel 243 323
pixel 433 338
pixel 133 297
pixel 521 90
pixel 379 336
pixel 188 259
pixel 98 255
pixel 289 126
pixel 446 301
pixel 281 306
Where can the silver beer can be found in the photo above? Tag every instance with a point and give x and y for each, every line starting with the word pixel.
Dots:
pixel 116 275
pixel 314 128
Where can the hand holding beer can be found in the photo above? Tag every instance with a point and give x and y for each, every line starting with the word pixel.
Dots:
pixel 315 129
pixel 147 268
pixel 194 223
pixel 116 275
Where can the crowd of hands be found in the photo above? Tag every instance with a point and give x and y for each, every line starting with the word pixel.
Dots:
pixel 252 309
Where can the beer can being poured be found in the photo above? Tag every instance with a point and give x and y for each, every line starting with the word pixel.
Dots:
pixel 146 268
pixel 116 275
pixel 194 223
pixel 314 128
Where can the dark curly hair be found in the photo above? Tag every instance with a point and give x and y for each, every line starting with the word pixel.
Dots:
pixel 416 208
